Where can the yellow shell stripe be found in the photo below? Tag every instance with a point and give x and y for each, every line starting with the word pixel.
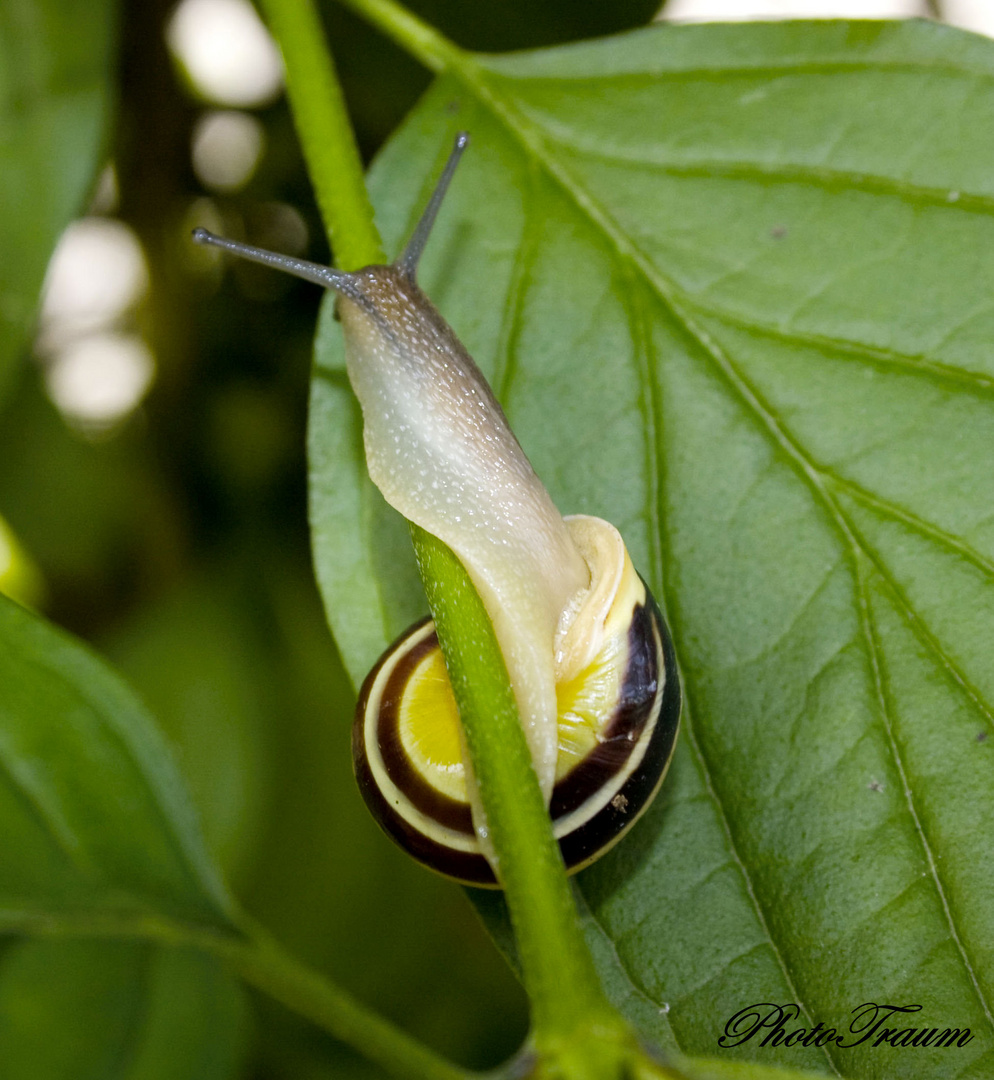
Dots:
pixel 397 799
pixel 411 745
pixel 611 788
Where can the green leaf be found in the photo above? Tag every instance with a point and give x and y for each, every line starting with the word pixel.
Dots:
pixel 697 1069
pixel 98 833
pixel 733 287
pixel 85 1010
pixel 55 95
pixel 195 658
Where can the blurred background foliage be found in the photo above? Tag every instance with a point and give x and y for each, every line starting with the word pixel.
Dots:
pixel 153 501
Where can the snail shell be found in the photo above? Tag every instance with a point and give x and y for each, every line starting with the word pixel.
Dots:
pixel 587 653
pixel 617 723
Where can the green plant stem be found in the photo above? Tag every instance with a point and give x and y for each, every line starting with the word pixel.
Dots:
pixel 556 966
pixel 263 964
pixel 412 34
pixel 568 1003
pixel 325 133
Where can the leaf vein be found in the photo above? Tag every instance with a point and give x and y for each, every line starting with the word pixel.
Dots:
pixel 925 635
pixel 827 177
pixel 925 528
pixel 765 68
pixel 512 314
pixel 953 377
pixel 651 410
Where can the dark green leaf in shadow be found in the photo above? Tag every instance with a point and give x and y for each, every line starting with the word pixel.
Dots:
pixel 87 1010
pixel 195 657
pixel 95 515
pixel 97 827
pixel 733 287
pixel 55 87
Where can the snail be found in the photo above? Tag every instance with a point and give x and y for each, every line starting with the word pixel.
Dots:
pixel 588 653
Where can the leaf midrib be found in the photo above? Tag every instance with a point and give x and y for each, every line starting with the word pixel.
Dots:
pixel 59 833
pixel 651 410
pixel 522 130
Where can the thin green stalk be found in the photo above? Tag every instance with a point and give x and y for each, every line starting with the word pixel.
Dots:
pixel 556 965
pixel 412 34
pixel 570 1009
pixel 325 133
pixel 263 964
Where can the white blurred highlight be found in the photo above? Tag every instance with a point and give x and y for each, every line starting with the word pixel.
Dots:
pixel 226 51
pixel 977 15
pixel 97 273
pixel 226 149
pixel 735 10
pixel 95 373
pixel 100 378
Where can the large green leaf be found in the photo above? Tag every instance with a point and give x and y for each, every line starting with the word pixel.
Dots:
pixel 98 832
pixel 55 91
pixel 733 286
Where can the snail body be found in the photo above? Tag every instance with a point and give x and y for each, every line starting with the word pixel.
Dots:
pixel 588 654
